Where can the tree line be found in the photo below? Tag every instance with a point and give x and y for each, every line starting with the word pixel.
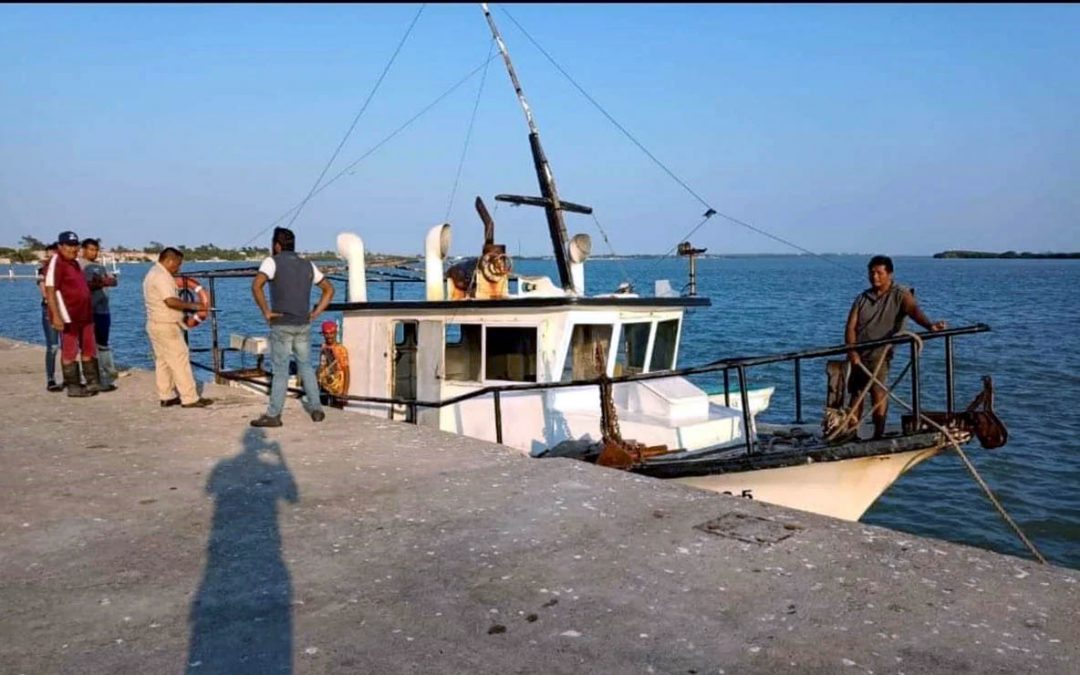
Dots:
pixel 1006 255
pixel 30 246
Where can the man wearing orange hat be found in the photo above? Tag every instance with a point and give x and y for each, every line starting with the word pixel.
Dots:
pixel 333 373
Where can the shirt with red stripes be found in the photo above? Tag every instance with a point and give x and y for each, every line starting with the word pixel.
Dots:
pixel 72 291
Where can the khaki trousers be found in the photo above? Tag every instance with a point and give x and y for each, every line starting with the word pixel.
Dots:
pixel 172 364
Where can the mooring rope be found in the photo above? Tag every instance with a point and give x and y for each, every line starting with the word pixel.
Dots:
pixel 970 467
pixel 842 428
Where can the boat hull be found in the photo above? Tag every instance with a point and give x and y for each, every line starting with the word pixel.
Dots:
pixel 843 488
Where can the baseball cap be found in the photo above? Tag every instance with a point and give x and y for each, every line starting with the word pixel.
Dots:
pixel 329 326
pixel 69 238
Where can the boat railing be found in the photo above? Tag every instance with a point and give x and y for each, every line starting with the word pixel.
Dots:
pixel 738 365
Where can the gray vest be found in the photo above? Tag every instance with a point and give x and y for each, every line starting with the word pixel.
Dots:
pixel 290 289
pixel 879 317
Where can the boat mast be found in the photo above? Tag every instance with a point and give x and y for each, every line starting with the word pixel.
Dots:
pixel 552 206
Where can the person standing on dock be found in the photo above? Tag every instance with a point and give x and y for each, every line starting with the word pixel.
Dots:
pixel 68 297
pixel 289 315
pixel 98 278
pixel 879 313
pixel 52 338
pixel 164 312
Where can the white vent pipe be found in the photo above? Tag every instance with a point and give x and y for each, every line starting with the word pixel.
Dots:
pixel 351 248
pixel 436 246
pixel 580 248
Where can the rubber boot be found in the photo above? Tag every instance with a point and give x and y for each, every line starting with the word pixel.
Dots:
pixel 92 373
pixel 71 381
pixel 107 368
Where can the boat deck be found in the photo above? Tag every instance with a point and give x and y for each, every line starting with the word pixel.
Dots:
pixel 142 539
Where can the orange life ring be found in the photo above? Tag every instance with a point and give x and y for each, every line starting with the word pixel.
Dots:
pixel 191 291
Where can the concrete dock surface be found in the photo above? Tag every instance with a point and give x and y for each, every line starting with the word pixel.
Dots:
pixel 141 539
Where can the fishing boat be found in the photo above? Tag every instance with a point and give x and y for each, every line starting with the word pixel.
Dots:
pixel 537 364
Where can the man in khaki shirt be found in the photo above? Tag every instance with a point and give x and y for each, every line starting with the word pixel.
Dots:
pixel 164 312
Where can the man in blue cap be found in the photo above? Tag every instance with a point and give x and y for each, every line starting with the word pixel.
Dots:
pixel 70 313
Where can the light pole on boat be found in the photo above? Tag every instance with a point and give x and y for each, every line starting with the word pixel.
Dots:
pixel 552 206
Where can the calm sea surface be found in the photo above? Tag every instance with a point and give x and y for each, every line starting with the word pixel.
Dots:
pixel 772 304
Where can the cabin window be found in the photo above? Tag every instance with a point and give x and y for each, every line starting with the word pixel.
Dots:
pixel 586 359
pixel 663 351
pixel 511 354
pixel 633 343
pixel 463 352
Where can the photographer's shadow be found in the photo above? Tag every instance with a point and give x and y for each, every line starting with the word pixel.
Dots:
pixel 241 618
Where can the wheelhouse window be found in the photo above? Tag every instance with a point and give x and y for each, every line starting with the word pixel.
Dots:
pixel 663 351
pixel 633 342
pixel 463 352
pixel 586 359
pixel 511 354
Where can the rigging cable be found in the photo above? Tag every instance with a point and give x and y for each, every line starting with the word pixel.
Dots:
pixel 653 157
pixel 348 169
pixel 356 119
pixel 710 211
pixel 468 133
pixel 622 267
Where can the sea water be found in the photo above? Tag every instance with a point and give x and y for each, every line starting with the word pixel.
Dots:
pixel 763 305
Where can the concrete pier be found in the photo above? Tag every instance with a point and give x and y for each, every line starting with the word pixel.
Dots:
pixel 140 539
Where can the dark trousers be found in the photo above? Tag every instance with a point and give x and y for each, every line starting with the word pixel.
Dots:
pixel 52 344
pixel 102 323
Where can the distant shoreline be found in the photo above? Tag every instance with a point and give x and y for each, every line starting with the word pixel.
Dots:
pixel 1007 255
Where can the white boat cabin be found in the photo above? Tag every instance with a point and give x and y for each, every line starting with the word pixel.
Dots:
pixel 437 349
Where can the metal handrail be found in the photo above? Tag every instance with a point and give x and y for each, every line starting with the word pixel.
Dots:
pixel 739 364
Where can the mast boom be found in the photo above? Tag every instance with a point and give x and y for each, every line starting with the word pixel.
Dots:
pixel 550 196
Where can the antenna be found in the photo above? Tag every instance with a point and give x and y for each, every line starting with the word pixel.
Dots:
pixel 549 199
pixel 687 249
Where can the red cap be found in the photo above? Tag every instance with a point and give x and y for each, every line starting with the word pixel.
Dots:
pixel 329 326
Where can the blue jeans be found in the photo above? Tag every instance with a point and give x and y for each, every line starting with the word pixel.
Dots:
pixel 52 343
pixel 286 341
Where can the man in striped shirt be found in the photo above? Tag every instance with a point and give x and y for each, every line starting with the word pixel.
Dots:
pixel 68 297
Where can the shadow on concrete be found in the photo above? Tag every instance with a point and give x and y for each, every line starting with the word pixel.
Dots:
pixel 241 618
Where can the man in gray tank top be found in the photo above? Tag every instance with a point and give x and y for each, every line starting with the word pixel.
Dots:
pixel 289 315
pixel 878 313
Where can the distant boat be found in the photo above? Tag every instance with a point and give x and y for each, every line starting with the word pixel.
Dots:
pixel 110 263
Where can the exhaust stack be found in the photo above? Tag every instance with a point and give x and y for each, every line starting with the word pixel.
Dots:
pixel 580 248
pixel 436 246
pixel 351 248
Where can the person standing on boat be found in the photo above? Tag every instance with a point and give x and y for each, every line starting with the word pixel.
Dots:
pixel 164 312
pixel 290 315
pixel 68 297
pixel 98 278
pixel 52 338
pixel 879 313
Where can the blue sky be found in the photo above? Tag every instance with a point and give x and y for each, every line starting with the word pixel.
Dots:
pixel 861 128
